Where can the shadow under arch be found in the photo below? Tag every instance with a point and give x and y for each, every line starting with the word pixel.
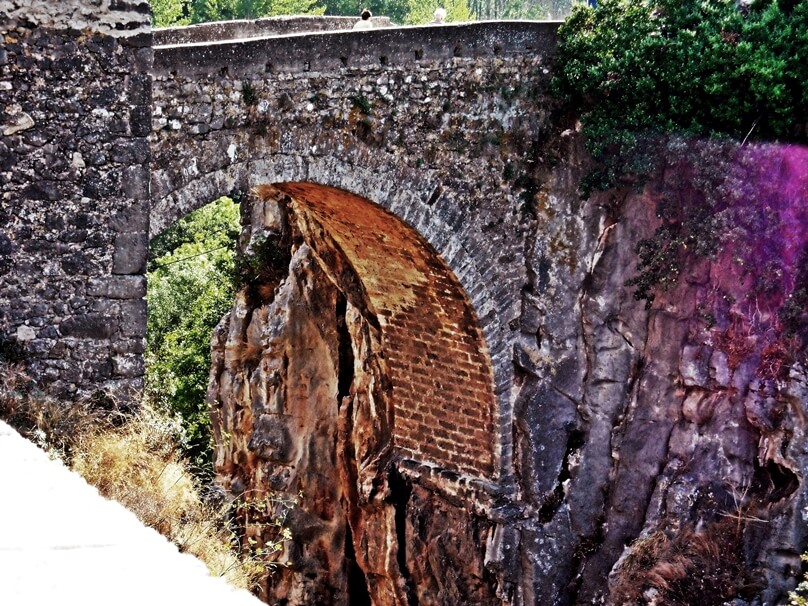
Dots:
pixel 443 399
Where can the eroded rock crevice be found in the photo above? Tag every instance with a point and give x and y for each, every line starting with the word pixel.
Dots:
pixel 400 492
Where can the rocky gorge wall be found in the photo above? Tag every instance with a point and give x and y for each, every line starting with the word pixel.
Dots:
pixel 75 107
pixel 659 449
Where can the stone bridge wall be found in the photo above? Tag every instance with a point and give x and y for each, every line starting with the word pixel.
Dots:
pixel 75 109
pixel 435 125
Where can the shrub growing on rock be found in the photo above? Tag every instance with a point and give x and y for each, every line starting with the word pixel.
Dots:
pixel 640 68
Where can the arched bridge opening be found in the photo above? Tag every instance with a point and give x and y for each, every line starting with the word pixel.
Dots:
pixel 441 374
pixel 352 357
pixel 471 300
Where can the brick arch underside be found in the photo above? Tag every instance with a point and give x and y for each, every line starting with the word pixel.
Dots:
pixel 413 197
pixel 443 397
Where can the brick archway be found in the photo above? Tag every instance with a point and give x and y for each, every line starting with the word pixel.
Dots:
pixel 443 381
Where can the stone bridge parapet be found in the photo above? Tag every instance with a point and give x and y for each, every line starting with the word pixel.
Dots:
pixel 332 51
pixel 255 28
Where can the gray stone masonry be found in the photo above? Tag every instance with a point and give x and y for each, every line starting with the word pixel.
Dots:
pixel 446 127
pixel 75 117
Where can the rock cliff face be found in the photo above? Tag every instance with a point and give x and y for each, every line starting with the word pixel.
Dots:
pixel 659 449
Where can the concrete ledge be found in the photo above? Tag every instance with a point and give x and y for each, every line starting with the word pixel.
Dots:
pixel 331 51
pixel 62 543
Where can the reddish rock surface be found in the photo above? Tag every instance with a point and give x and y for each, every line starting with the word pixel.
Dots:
pixel 659 449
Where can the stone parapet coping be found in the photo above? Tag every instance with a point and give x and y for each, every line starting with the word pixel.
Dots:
pixel 252 28
pixel 330 51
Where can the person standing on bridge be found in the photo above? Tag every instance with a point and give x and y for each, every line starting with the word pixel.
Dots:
pixel 364 20
pixel 439 16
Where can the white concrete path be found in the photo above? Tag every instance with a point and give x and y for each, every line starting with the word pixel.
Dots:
pixel 61 543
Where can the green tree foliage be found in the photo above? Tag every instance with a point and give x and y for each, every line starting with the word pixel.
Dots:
pixel 169 12
pixel 635 68
pixel 190 288
pixel 524 9
pixel 410 12
pixel 520 9
pixel 419 11
pixel 183 12
pixel 395 9
pixel 223 10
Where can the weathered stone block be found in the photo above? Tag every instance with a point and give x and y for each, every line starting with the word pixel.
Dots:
pixel 133 219
pixel 694 365
pixel 131 252
pixel 140 120
pixel 133 318
pixel 118 287
pixel 131 346
pixel 90 326
pixel 140 90
pixel 43 190
pixel 128 365
pixel 135 182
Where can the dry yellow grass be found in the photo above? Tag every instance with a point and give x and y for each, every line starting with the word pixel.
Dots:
pixel 133 459
pixel 137 465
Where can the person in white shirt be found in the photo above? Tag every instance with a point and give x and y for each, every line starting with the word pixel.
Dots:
pixel 440 16
pixel 364 20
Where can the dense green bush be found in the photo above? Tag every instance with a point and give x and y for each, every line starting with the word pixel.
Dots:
pixel 635 69
pixel 190 288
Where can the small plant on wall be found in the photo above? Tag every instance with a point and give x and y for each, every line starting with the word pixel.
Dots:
pixel 799 597
pixel 261 267
pixel 249 94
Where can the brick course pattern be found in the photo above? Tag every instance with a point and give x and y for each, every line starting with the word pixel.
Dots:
pixel 443 396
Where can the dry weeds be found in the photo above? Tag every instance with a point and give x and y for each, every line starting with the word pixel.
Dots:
pixel 684 567
pixel 134 459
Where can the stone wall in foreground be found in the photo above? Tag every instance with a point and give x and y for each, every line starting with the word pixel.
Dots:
pixel 75 95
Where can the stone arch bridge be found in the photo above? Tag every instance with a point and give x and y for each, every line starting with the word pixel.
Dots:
pixel 421 122
pixel 390 159
pixel 443 358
